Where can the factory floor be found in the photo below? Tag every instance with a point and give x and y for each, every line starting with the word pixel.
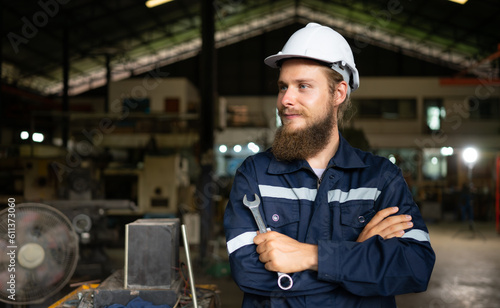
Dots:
pixel 467 270
pixel 466 275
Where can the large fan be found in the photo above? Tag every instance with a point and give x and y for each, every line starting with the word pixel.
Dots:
pixel 38 256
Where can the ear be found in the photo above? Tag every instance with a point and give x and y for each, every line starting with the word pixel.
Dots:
pixel 340 93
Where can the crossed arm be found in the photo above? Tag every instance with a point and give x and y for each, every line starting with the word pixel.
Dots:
pixel 281 253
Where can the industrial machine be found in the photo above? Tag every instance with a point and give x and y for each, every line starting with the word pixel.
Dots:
pixel 154 187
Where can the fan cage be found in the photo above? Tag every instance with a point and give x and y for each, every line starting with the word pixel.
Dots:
pixel 52 230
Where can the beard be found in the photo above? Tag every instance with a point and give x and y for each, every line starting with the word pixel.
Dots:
pixel 289 145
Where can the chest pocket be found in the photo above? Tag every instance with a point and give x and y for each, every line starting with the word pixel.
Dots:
pixel 282 216
pixel 354 216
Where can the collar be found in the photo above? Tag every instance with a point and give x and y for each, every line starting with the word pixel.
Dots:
pixel 346 157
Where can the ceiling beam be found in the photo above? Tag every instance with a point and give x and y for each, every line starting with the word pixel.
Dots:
pixel 181 40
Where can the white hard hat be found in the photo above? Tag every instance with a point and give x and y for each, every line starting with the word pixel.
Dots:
pixel 321 43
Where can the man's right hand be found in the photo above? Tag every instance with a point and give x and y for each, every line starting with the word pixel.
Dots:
pixel 385 226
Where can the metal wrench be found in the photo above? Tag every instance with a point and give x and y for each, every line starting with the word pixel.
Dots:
pixel 285 282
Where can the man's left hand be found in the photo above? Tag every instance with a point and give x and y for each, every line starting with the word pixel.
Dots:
pixel 385 225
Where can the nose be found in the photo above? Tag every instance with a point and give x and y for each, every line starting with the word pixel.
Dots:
pixel 286 98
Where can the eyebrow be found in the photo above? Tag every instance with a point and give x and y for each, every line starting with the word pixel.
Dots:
pixel 297 81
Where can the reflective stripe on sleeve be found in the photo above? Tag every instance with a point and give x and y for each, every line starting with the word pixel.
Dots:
pixel 418 235
pixel 241 240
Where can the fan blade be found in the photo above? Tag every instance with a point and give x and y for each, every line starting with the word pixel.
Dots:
pixel 46 252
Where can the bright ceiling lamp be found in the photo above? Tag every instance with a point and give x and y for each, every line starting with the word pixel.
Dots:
pixel 37 137
pixel 223 148
pixel 153 3
pixel 470 155
pixel 459 1
pixel 25 135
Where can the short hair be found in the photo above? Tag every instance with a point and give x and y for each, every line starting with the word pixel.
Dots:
pixel 334 78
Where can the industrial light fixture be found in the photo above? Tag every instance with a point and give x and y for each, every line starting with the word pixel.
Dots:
pixel 446 151
pixel 253 147
pixel 38 137
pixel 223 148
pixel 153 3
pixel 459 1
pixel 24 135
pixel 470 155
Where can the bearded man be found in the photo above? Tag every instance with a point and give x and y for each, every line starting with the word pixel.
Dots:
pixel 342 222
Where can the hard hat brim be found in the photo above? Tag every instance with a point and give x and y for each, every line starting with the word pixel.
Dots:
pixel 273 61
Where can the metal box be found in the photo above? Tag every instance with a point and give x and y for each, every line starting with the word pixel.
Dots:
pixel 151 253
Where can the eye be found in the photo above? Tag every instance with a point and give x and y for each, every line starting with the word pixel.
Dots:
pixel 282 88
pixel 303 86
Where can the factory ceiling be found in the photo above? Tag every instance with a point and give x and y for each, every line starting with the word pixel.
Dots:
pixel 130 39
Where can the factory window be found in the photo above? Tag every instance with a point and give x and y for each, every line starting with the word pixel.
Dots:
pixel 386 108
pixel 405 158
pixel 243 116
pixel 434 164
pixel 434 114
pixel 238 115
pixel 484 108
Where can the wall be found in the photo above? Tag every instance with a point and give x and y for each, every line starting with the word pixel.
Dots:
pixel 457 129
pixel 157 90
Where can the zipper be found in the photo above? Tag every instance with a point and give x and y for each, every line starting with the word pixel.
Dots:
pixel 320 179
pixel 323 175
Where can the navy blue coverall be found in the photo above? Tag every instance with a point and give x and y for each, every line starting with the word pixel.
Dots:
pixel 329 212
